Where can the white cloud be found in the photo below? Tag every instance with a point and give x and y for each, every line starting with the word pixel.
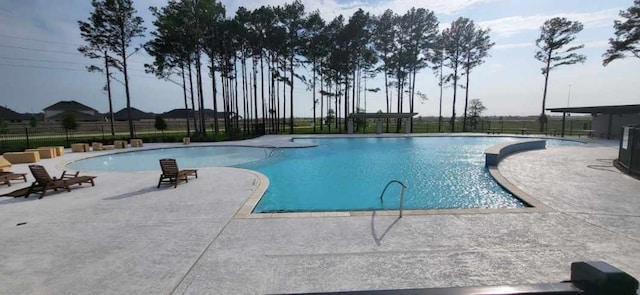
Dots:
pixel 513 45
pixel 596 43
pixel 512 25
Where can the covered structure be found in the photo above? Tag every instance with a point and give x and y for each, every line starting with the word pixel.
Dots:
pixel 607 121
pixel 379 117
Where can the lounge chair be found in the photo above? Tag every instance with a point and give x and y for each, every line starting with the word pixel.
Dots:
pixel 23 192
pixel 44 182
pixel 6 177
pixel 172 175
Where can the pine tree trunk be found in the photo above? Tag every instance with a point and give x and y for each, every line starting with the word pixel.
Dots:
pixel 314 96
pixel 264 120
pixel 321 98
pixel 126 87
pixel 413 90
pixel 193 103
pixel 466 102
pixel 111 121
pixel 455 92
pixel 386 92
pixel 544 94
pixel 440 109
pixel 291 95
pixel 216 128
pixel 255 93
pixel 203 128
pixel 186 105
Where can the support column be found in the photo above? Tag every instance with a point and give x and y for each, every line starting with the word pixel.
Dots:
pixel 564 116
pixel 609 128
pixel 378 126
pixel 407 126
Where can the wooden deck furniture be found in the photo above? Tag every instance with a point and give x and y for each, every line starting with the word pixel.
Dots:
pixel 6 177
pixel 80 147
pixel 23 192
pixel 120 144
pixel 4 164
pixel 172 175
pixel 186 140
pixel 59 150
pixel 22 157
pixel 136 142
pixel 45 152
pixel 45 182
pixel 97 146
pixel 108 147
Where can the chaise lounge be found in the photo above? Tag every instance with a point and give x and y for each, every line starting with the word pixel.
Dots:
pixel 45 182
pixel 172 175
pixel 6 177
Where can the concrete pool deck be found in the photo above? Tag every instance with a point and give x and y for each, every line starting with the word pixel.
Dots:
pixel 126 236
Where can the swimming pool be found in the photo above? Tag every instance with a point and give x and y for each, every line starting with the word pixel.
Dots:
pixel 350 174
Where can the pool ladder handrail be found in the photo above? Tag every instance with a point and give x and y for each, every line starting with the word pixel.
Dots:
pixel 271 152
pixel 404 188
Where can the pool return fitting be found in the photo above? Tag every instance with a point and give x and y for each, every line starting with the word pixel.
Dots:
pixel 404 188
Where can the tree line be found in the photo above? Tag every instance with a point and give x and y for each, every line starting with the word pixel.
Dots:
pixel 254 59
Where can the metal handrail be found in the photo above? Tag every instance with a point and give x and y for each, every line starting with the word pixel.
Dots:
pixel 404 188
pixel 271 152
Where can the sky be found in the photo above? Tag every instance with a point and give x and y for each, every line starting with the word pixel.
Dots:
pixel 40 64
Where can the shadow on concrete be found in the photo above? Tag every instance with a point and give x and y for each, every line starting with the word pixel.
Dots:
pixel 133 194
pixel 374 234
pixel 12 200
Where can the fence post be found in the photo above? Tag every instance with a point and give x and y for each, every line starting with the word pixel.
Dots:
pixel 102 127
pixel 26 132
pixel 66 134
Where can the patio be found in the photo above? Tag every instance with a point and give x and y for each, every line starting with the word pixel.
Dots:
pixel 129 237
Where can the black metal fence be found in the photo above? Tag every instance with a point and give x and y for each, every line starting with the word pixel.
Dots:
pixel 20 137
pixel 629 154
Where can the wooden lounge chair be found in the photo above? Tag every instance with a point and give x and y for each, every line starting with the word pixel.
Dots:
pixel 6 177
pixel 44 182
pixel 172 175
pixel 23 192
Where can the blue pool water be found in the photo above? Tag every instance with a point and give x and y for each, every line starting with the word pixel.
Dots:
pixel 349 174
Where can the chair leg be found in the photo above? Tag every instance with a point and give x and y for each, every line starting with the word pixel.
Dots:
pixel 44 192
pixel 29 191
pixel 176 180
pixel 159 182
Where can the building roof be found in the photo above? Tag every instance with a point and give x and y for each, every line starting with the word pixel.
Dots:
pixel 615 109
pixel 79 116
pixel 177 114
pixel 69 105
pixel 10 115
pixel 136 114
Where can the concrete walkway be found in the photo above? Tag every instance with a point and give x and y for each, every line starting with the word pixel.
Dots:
pixel 126 236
